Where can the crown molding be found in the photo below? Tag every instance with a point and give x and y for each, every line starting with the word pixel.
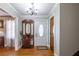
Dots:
pixel 34 16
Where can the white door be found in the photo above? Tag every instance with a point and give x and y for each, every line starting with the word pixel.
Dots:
pixel 41 33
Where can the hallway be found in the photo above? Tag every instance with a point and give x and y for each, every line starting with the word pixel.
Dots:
pixel 36 32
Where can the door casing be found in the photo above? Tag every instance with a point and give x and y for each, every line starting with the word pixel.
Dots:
pixel 51 33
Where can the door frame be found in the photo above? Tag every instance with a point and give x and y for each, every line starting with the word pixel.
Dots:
pixel 50 34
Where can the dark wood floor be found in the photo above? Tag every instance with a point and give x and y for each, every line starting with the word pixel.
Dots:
pixel 25 52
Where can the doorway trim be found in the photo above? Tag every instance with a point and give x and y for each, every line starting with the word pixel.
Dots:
pixel 51 18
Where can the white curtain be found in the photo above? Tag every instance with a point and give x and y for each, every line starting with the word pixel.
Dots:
pixel 10 33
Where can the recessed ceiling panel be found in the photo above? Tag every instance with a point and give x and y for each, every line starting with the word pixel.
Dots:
pixel 43 8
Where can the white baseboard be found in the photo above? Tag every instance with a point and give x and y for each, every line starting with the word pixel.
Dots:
pixel 48 46
pixel 55 54
pixel 16 49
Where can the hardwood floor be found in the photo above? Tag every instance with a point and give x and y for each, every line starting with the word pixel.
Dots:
pixel 7 52
pixel 25 52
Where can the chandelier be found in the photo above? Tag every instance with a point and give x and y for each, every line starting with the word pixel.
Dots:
pixel 32 10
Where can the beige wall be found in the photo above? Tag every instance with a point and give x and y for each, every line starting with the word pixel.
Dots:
pixel 69 29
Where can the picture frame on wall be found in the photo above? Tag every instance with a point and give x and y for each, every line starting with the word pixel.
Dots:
pixel 1 24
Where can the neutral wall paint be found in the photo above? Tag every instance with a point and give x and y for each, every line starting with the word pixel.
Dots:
pixel 69 30
pixel 56 13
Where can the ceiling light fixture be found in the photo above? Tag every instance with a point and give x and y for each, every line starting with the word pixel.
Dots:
pixel 32 10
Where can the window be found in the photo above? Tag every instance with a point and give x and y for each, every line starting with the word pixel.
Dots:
pixel 41 30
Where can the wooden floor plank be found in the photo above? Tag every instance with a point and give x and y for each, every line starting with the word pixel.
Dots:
pixel 25 52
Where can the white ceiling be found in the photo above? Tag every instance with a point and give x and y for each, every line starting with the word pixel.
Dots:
pixel 43 8
pixel 3 13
